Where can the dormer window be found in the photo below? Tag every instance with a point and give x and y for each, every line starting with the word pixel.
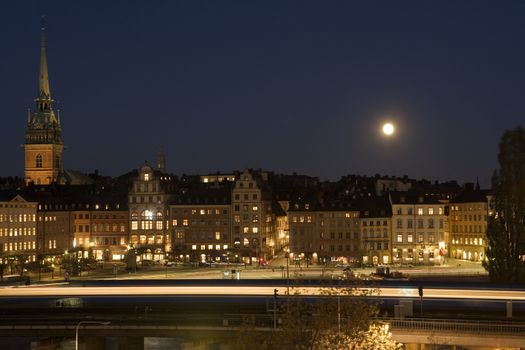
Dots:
pixel 146 177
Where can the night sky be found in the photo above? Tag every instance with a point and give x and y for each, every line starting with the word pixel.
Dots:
pixel 289 86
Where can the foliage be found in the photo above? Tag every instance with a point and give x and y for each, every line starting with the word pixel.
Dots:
pixel 506 229
pixel 377 337
pixel 339 318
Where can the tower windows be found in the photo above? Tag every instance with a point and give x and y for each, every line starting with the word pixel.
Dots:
pixel 38 161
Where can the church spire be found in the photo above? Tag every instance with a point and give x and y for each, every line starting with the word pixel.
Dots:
pixel 43 148
pixel 161 160
pixel 44 116
pixel 44 94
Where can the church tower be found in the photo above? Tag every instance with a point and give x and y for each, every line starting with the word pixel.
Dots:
pixel 43 146
pixel 161 160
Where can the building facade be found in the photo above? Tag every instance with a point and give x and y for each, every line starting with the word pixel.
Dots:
pixel 468 222
pixel 148 214
pixel 18 234
pixel 324 233
pixel 376 231
pixel 254 216
pixel 419 229
pixel 201 230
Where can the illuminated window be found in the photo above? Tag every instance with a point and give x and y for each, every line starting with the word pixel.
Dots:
pixel 217 247
pixel 409 239
pixel 225 246
pixel 146 220
pixel 419 211
pixel 185 222
pixel 400 238
pixel 210 246
pixel 217 236
pixel 255 229
pixel 202 211
pixel 38 161
pixel 146 177
pixel 440 210
pixel 255 207
pixel 246 242
pixel 245 229
pixel 203 247
pixel 194 247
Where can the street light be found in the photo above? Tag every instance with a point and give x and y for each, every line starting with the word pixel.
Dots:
pixel 87 322
pixel 287 256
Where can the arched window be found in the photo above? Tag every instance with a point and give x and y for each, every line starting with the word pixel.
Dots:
pixel 134 221
pixel 146 220
pixel 38 161
pixel 158 223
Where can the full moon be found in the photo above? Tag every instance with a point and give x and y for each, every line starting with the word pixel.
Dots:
pixel 388 129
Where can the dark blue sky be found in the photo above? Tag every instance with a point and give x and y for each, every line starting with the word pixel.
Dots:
pixel 282 85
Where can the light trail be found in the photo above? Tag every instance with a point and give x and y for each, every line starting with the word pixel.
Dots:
pixel 394 292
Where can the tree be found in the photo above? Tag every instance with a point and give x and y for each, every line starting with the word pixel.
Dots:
pixel 340 318
pixel 506 227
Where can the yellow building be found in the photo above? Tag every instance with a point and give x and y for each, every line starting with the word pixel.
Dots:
pixel 468 221
pixel 18 235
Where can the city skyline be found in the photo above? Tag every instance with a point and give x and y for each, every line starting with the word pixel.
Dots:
pixel 298 89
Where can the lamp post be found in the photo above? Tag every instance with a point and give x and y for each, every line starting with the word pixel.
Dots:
pixel 287 256
pixel 275 309
pixel 87 322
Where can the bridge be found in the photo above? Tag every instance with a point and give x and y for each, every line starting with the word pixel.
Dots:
pixel 218 332
pixel 204 315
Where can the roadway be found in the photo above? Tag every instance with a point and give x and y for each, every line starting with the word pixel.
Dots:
pixel 67 290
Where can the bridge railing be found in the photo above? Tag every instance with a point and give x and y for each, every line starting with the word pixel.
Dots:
pixel 459 326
